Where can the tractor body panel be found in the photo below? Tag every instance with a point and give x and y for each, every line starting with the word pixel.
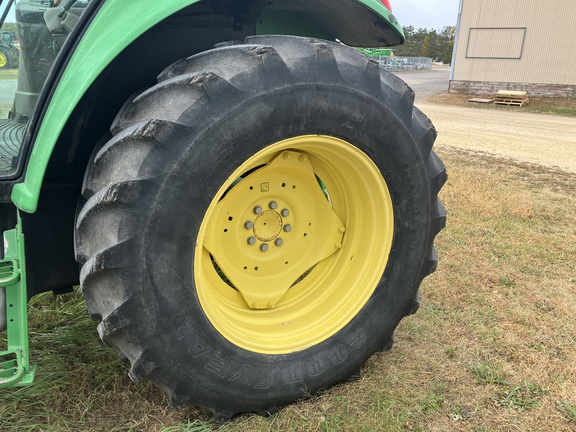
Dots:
pixel 116 49
pixel 108 28
pixel 144 133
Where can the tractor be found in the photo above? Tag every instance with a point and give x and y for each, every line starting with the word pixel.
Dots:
pixel 9 52
pixel 247 202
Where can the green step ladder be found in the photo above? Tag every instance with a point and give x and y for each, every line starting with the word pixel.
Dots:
pixel 15 369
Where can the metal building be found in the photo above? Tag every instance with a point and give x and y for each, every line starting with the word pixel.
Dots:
pixel 515 45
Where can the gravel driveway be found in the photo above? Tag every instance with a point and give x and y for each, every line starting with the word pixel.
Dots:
pixel 542 139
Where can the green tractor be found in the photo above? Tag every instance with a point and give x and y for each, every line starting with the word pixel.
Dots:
pixel 248 206
pixel 9 52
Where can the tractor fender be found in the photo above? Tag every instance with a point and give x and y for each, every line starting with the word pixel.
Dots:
pixel 115 51
pixel 112 26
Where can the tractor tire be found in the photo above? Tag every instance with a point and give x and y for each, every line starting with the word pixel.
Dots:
pixel 4 58
pixel 260 222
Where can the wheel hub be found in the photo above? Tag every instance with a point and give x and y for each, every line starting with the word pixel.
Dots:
pixel 293 244
pixel 264 252
pixel 267 226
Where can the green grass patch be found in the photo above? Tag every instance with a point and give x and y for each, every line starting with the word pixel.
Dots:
pixel 567 410
pixel 492 347
pixel 194 426
pixel 486 374
pixel 521 397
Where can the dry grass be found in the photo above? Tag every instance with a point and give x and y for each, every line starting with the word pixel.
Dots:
pixel 543 105
pixel 493 347
pixel 8 74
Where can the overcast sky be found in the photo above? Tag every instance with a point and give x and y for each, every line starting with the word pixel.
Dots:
pixel 431 14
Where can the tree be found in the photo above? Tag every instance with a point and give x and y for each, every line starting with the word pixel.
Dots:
pixel 426 47
pixel 428 43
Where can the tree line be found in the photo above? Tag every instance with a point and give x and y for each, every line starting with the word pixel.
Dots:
pixel 424 42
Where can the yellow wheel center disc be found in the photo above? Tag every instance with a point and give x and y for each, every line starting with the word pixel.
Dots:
pixel 294 244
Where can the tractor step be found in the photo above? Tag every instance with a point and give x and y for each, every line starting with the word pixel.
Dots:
pixel 15 369
pixel 13 373
pixel 9 273
pixel 11 136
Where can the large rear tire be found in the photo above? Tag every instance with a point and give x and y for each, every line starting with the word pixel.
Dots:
pixel 260 222
pixel 4 58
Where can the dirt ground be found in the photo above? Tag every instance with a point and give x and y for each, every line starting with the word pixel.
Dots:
pixel 542 139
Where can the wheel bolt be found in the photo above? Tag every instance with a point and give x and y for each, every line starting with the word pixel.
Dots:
pixel 264 247
pixel 285 212
pixel 249 225
pixel 288 228
pixel 273 205
pixel 251 241
pixel 279 242
pixel 257 210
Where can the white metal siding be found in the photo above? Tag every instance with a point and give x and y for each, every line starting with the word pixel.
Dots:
pixel 523 41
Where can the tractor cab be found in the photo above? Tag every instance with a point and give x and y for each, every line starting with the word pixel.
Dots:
pixel 42 29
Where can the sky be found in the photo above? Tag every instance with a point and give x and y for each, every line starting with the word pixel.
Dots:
pixel 431 14
pixel 11 16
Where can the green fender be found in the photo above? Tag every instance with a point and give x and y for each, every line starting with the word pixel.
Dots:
pixel 375 25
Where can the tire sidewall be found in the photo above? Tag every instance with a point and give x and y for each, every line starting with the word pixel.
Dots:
pixel 194 349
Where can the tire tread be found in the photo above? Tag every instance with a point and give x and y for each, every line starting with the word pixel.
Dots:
pixel 114 189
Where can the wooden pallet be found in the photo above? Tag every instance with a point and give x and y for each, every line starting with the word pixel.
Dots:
pixel 512 102
pixel 511 98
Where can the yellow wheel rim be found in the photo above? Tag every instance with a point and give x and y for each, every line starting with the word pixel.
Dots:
pixel 294 244
pixel 3 59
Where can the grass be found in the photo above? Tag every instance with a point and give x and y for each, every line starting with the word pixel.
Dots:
pixel 567 410
pixel 8 74
pixel 520 397
pixel 542 105
pixel 493 347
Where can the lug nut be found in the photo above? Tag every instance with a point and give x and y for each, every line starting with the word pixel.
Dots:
pixel 249 225
pixel 251 241
pixel 288 228
pixel 264 247
pixel 257 210
pixel 273 205
pixel 279 242
pixel 285 212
